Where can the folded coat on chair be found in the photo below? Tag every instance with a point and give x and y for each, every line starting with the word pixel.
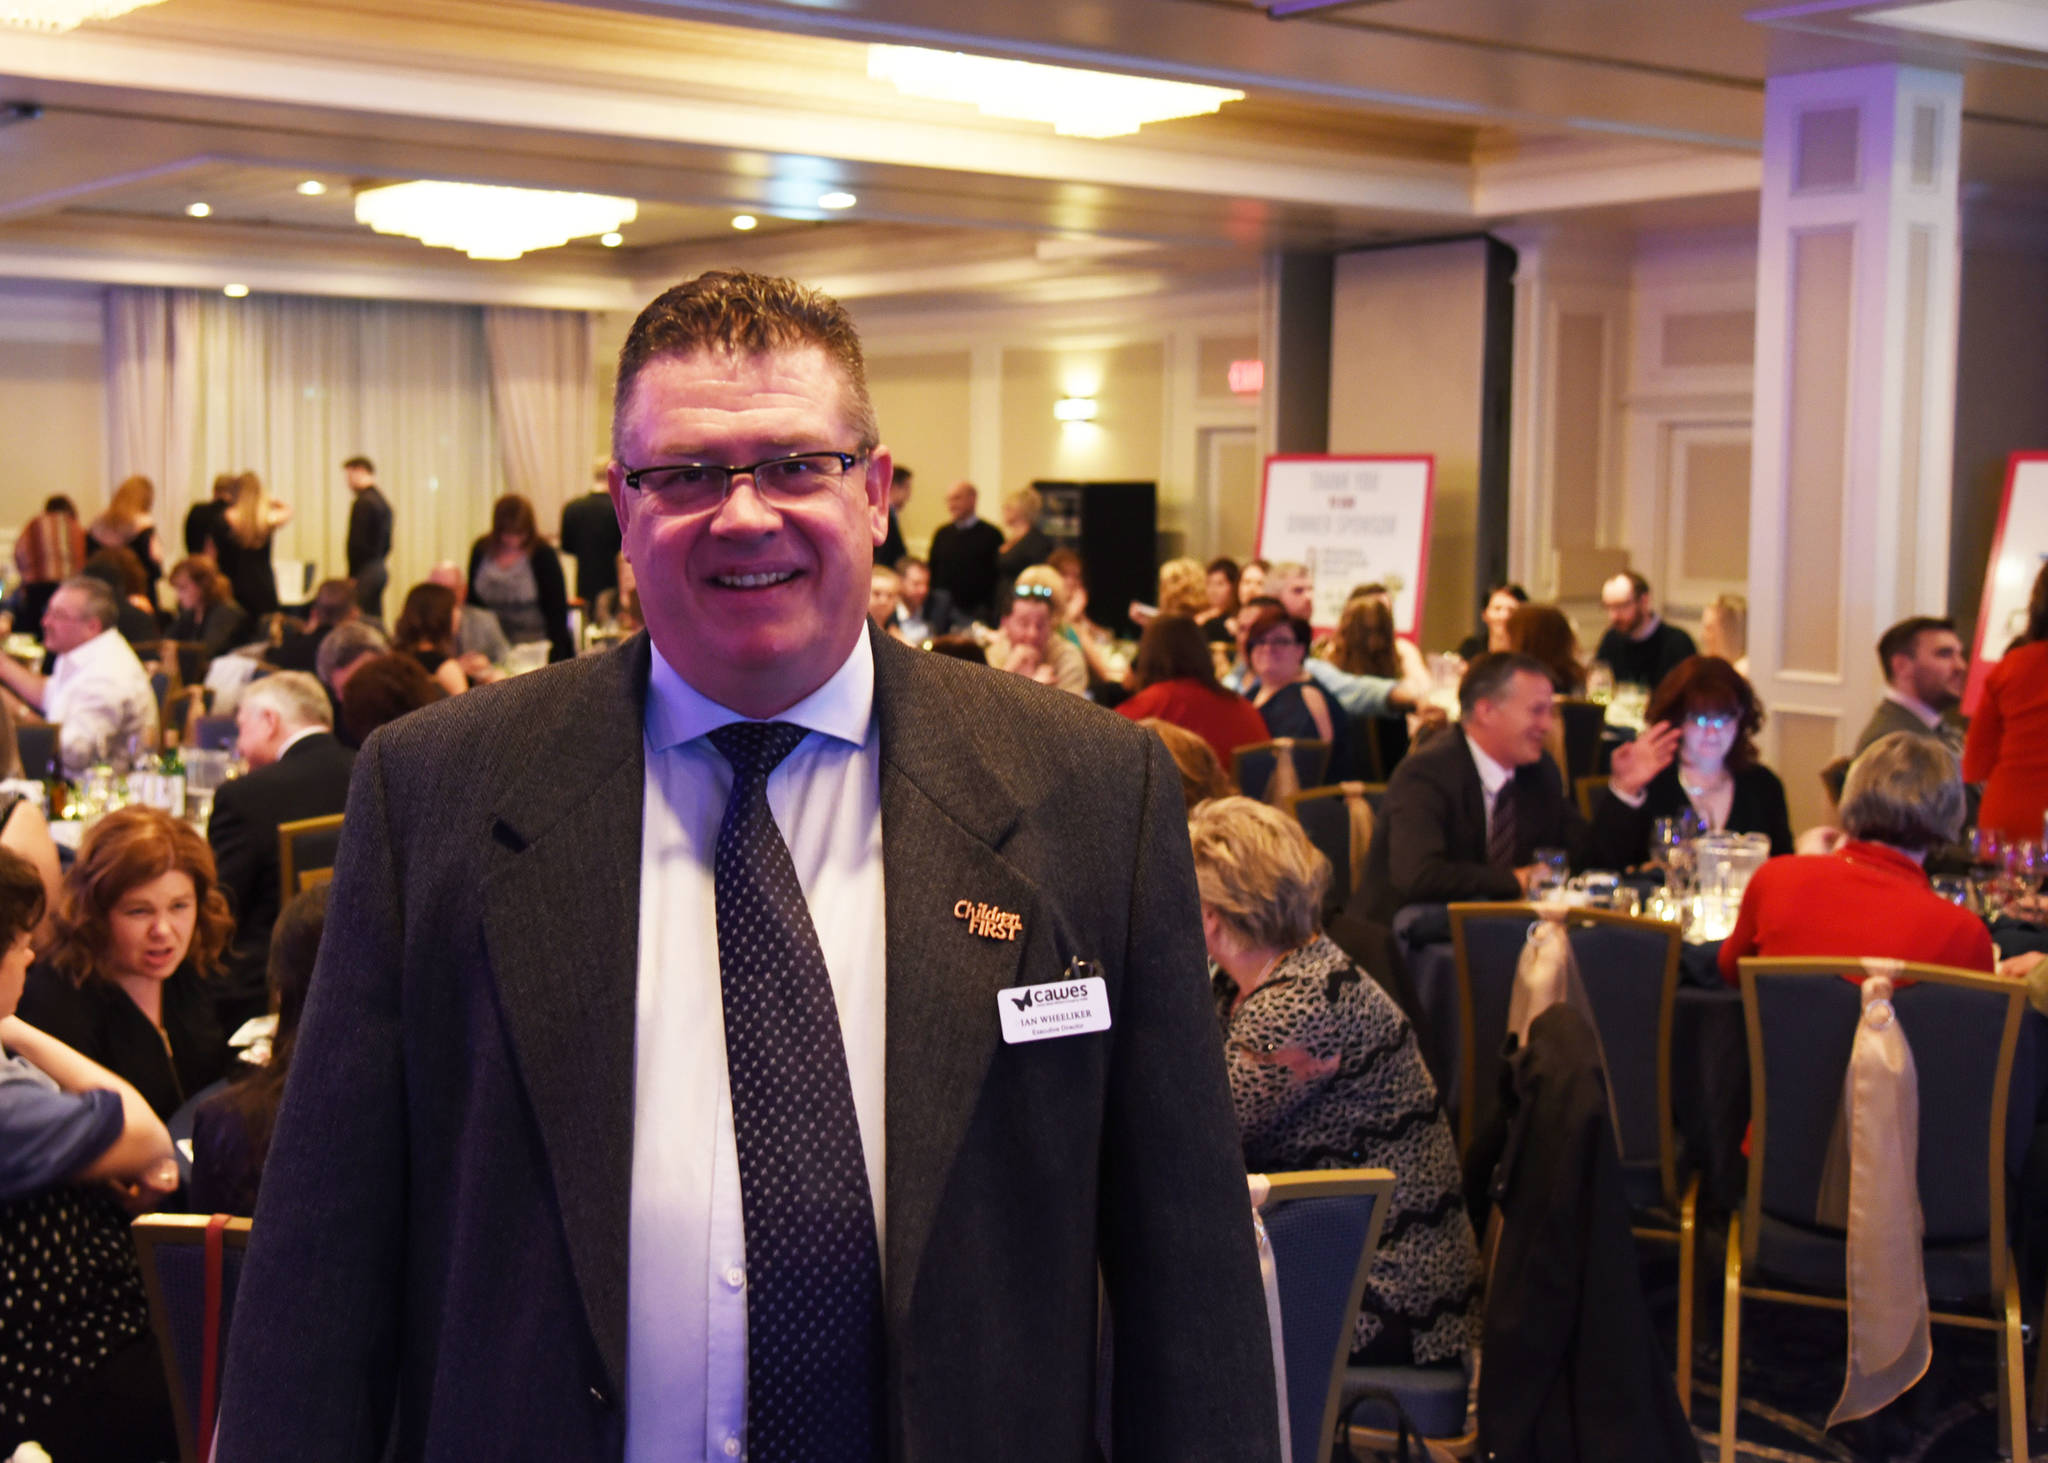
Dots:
pixel 1574 1369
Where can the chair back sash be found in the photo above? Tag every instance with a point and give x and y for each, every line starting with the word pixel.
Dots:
pixel 1548 974
pixel 1878 1134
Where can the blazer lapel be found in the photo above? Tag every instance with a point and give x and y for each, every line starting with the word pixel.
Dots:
pixel 561 905
pixel 945 815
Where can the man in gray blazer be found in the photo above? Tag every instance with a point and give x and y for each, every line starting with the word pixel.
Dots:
pixel 659 1096
pixel 1925 670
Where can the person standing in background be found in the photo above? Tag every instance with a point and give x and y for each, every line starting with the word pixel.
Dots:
pixel 241 544
pixel 127 525
pixel 49 550
pixel 369 537
pixel 590 536
pixel 202 521
pixel 517 575
pixel 893 551
pixel 964 553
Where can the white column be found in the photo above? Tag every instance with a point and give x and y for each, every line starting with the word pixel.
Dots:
pixel 1855 385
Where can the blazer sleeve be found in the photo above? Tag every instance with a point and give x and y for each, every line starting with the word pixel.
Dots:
pixel 313 1357
pixel 1194 1365
pixel 1416 815
pixel 237 843
pixel 1767 811
pixel 554 601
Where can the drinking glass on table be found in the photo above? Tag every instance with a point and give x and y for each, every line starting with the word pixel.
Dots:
pixel 1955 889
pixel 2026 862
pixel 1600 682
pixel 1549 873
pixel 1669 836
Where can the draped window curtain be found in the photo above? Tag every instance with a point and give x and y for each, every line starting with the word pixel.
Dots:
pixel 289 386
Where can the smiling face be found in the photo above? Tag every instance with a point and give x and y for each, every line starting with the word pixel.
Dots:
pixel 66 623
pixel 1511 728
pixel 1707 736
pixel 1276 656
pixel 1500 608
pixel 755 606
pixel 149 928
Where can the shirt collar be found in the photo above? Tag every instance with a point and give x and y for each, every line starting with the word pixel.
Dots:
pixel 1881 856
pixel 1649 628
pixel 97 648
pixel 1918 707
pixel 1493 776
pixel 678 712
pixel 299 736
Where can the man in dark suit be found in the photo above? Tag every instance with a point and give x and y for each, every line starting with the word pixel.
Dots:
pixel 1638 645
pixel 963 556
pixel 369 537
pixel 1464 814
pixel 285 731
pixel 637 966
pixel 922 612
pixel 590 536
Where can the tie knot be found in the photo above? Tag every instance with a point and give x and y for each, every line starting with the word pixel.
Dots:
pixel 756 748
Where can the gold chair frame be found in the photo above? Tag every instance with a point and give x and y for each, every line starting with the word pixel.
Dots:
pixel 1331 1183
pixel 1588 790
pixel 1283 749
pixel 1293 801
pixel 291 879
pixel 1682 1204
pixel 163 1231
pixel 1744 1228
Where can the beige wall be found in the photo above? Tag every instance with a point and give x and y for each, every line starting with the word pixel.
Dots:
pixel 922 407
pixel 52 400
pixel 1122 444
pixel 2001 401
pixel 1406 353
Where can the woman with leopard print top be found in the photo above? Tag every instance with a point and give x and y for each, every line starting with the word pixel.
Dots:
pixel 1324 1073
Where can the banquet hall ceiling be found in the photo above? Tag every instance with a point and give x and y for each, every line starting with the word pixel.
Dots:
pixel 1366 123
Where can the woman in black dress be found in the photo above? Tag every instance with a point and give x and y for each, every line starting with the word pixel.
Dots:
pixel 139 928
pixel 127 525
pixel 1276 645
pixel 241 544
pixel 207 613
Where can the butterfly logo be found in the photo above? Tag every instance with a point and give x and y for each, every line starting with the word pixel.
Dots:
pixel 1023 1002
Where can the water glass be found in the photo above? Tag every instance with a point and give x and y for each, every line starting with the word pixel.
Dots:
pixel 1955 889
pixel 1600 682
pixel 1549 874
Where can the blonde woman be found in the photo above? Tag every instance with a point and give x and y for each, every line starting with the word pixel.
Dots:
pixel 127 525
pixel 1183 590
pixel 1025 544
pixel 1325 1073
pixel 242 537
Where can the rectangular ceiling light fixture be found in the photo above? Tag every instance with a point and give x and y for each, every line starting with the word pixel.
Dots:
pixel 2021 25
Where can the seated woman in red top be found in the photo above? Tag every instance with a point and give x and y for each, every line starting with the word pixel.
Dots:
pixel 2007 749
pixel 1176 682
pixel 1870 898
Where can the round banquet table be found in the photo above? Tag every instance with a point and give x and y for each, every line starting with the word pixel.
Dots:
pixel 1709 1050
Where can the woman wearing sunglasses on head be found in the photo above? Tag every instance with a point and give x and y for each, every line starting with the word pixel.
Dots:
pixel 1716 774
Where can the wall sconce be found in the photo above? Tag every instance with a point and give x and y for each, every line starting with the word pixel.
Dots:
pixel 1074 408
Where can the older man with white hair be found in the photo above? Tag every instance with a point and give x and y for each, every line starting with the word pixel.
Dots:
pixel 297 769
pixel 97 693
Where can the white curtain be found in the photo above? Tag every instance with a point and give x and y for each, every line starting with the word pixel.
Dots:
pixel 151 349
pixel 289 387
pixel 542 386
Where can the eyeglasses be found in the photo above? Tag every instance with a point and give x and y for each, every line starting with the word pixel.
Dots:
pixel 692 487
pixel 1032 591
pixel 1711 723
pixel 1276 642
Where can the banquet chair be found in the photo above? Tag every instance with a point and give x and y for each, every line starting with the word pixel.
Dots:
pixel 1584 721
pixel 39 745
pixel 1338 820
pixel 305 854
pixel 1629 970
pixel 1324 1226
pixel 1963 1027
pixel 212 733
pixel 1254 767
pixel 1588 790
pixel 191 1300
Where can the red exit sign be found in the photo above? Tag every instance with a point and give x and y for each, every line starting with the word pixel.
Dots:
pixel 1247 378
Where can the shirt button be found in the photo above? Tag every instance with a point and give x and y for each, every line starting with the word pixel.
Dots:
pixel 735 1276
pixel 732 1447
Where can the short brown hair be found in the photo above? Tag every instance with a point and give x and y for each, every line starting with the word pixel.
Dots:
pixel 21 897
pixel 427 618
pixel 741 313
pixel 125 849
pixel 1201 772
pixel 1706 683
pixel 213 585
pixel 333 601
pixel 385 688
pixel 1364 643
pixel 1258 871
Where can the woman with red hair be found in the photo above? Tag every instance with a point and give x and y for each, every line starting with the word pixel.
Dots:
pixel 140 925
pixel 1716 774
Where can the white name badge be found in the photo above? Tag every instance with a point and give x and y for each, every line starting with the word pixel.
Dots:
pixel 1063 1008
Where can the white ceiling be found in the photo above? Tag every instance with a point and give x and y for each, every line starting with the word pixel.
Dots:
pixel 1375 121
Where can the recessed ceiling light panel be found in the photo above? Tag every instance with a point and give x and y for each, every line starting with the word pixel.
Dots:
pixel 199 210
pixel 744 221
pixel 487 222
pixel 312 188
pixel 1076 102
pixel 836 199
pixel 62 15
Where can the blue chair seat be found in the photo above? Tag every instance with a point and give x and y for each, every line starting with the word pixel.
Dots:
pixel 1435 1397
pixel 1958 1275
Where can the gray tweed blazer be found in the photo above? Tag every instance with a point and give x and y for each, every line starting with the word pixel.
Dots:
pixel 439 1259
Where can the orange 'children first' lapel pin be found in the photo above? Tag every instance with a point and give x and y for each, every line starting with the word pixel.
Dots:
pixel 988 921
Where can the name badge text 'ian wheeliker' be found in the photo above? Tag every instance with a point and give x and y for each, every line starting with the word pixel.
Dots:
pixel 1066 1008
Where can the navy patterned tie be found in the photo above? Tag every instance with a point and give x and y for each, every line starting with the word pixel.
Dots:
pixel 814 1273
pixel 1500 838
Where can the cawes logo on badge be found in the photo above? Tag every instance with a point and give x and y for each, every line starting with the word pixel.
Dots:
pixel 1036 1012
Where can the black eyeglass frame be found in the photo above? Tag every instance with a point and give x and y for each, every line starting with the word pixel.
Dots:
pixel 631 477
